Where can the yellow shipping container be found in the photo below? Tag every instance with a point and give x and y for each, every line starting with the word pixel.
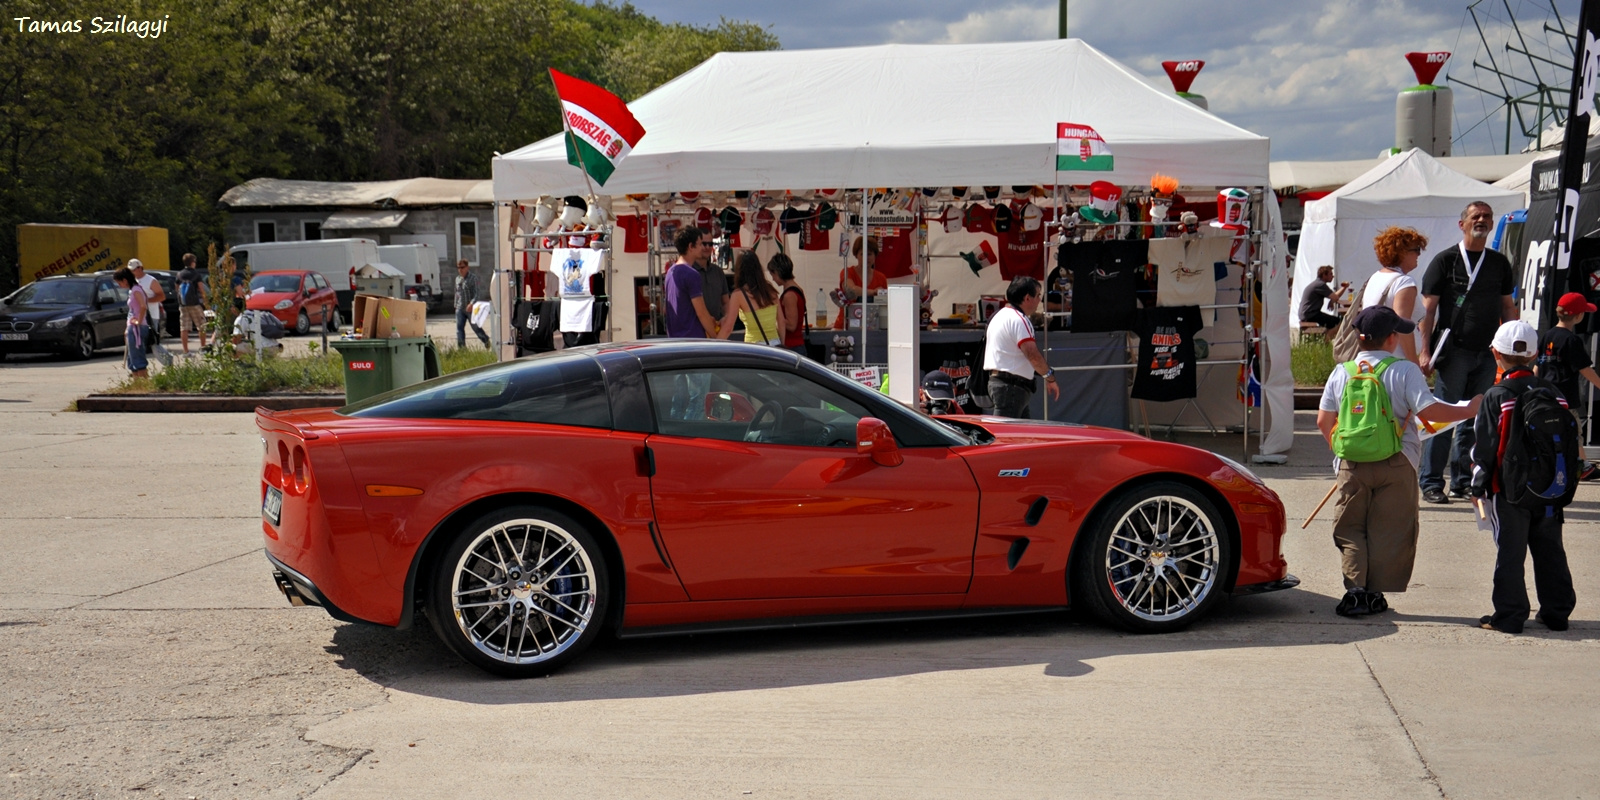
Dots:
pixel 45 250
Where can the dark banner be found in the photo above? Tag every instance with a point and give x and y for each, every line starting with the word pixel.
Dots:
pixel 1580 111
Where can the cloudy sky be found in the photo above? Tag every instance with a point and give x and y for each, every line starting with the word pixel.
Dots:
pixel 1317 76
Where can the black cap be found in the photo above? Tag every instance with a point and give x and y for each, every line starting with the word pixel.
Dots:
pixel 1376 323
pixel 576 201
pixel 939 385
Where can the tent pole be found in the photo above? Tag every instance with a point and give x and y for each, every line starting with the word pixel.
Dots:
pixel 866 275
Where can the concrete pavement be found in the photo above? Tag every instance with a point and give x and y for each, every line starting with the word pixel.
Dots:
pixel 144 652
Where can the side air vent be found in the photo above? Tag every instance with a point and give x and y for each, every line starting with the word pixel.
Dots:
pixel 1018 547
pixel 1036 511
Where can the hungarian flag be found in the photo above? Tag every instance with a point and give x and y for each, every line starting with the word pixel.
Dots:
pixel 600 129
pixel 1079 148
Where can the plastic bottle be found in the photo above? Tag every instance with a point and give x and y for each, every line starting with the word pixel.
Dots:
pixel 822 309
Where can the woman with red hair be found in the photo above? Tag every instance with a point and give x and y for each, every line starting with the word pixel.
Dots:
pixel 1397 250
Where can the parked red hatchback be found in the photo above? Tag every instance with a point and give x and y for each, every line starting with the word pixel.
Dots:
pixel 296 297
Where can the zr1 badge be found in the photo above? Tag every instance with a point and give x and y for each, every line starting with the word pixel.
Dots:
pixel 1014 473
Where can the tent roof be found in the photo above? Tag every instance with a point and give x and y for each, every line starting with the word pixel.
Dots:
pixel 411 192
pixel 1412 184
pixel 901 116
pixel 1289 177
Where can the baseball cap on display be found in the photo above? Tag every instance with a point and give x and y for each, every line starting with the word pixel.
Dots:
pixel 1002 218
pixel 731 219
pixel 702 219
pixel 939 385
pixel 1103 199
pixel 1515 338
pixel 827 217
pixel 958 191
pixel 951 218
pixel 1032 217
pixel 1231 204
pixel 763 223
pixel 1575 303
pixel 792 219
pixel 741 194
pixel 978 219
pixel 689 197
pixel 1377 323
pixel 991 192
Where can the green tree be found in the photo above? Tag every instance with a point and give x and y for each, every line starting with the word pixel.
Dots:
pixel 657 54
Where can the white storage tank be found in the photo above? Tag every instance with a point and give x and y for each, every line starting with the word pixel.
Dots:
pixel 1424 114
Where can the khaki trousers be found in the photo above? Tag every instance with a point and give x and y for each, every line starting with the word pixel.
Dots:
pixel 1375 523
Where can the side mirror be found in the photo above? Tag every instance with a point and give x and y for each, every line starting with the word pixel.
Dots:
pixel 873 438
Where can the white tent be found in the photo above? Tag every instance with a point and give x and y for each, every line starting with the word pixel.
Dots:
pixel 915 116
pixel 1411 190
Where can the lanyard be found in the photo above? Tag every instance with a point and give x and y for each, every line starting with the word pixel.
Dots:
pixel 1472 269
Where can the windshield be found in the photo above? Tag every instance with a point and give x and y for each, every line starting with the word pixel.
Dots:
pixel 275 283
pixel 55 293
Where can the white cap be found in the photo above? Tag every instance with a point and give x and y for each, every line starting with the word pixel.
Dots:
pixel 1516 338
pixel 134 263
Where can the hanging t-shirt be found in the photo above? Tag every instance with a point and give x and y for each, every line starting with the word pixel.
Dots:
pixel 1166 366
pixel 1022 250
pixel 1104 279
pixel 812 236
pixel 894 252
pixel 1186 272
pixel 574 268
pixel 635 238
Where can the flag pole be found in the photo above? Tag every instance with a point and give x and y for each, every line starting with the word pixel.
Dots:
pixel 572 139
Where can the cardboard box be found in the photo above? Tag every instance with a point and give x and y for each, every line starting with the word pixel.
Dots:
pixel 375 317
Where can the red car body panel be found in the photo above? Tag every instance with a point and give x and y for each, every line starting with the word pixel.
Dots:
pixel 745 530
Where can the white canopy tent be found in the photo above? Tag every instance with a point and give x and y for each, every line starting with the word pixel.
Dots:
pixel 1412 190
pixel 922 115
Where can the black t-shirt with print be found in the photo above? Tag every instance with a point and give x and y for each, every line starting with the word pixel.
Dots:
pixel 1104 282
pixel 1562 355
pixel 1166 366
pixel 1471 315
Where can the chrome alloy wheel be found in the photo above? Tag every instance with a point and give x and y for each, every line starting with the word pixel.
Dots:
pixel 524 591
pixel 1163 557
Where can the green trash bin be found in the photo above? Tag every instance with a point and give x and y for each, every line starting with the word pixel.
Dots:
pixel 375 366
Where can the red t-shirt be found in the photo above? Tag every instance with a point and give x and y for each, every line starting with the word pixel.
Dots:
pixel 894 252
pixel 852 274
pixel 811 236
pixel 1021 251
pixel 635 238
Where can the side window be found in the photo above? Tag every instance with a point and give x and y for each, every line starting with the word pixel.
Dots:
pixel 753 405
pixel 318 282
pixel 558 390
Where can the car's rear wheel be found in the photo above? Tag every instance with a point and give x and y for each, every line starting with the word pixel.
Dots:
pixel 1155 561
pixel 331 320
pixel 83 343
pixel 302 323
pixel 520 592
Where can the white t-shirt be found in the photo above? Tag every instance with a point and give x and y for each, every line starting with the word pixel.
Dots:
pixel 1381 281
pixel 147 283
pixel 1408 394
pixel 1002 348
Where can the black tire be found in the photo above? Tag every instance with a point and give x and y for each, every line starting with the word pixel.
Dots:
pixel 1153 581
pixel 540 608
pixel 302 323
pixel 83 344
pixel 331 320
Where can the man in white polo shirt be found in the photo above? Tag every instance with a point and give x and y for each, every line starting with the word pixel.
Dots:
pixel 1010 354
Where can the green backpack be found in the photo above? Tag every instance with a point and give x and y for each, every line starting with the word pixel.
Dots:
pixel 1367 430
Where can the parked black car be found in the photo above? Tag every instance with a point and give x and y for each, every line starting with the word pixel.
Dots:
pixel 71 314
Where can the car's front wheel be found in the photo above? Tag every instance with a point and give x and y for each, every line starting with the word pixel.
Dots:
pixel 331 320
pixel 1155 561
pixel 520 592
pixel 83 343
pixel 302 323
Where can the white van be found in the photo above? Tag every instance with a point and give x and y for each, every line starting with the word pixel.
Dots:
pixel 419 263
pixel 336 260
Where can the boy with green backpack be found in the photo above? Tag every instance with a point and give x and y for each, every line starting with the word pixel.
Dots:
pixel 1366 415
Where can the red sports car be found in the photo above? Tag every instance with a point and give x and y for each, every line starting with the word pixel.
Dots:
pixel 645 488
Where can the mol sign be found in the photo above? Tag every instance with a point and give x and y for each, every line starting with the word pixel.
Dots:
pixel 1182 73
pixel 1426 66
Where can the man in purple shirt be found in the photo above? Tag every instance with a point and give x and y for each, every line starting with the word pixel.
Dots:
pixel 687 317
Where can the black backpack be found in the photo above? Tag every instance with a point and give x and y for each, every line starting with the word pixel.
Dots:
pixel 1540 466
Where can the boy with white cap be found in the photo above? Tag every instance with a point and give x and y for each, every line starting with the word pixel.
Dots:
pixel 1521 528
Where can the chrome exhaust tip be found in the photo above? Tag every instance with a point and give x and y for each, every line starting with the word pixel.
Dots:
pixel 290 591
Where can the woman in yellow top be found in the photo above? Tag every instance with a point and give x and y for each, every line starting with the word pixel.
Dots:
pixel 754 302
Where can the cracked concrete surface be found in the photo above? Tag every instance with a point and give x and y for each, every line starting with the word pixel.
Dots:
pixel 144 652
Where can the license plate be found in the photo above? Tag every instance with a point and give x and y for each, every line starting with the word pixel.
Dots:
pixel 272 505
pixel 13 337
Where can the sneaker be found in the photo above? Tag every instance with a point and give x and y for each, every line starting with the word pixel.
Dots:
pixel 1355 603
pixel 1486 622
pixel 1377 603
pixel 1591 472
pixel 1435 496
pixel 1552 624
pixel 1458 491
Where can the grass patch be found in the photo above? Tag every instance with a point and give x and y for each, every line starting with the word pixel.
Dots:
pixel 216 373
pixel 1311 361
